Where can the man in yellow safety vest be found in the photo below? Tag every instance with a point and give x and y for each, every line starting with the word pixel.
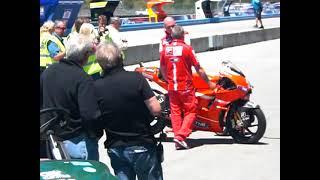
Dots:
pixel 52 48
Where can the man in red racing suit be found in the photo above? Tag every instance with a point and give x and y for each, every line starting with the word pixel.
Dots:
pixel 176 61
pixel 168 24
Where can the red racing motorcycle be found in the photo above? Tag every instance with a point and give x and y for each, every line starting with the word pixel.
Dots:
pixel 226 109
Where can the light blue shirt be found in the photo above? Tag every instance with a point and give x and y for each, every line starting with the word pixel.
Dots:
pixel 256 4
pixel 53 48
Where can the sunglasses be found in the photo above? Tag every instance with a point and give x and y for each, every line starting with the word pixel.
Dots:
pixel 63 28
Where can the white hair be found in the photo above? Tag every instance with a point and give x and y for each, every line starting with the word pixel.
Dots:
pixel 77 48
pixel 47 27
pixel 115 20
pixel 87 29
pixel 177 32
pixel 108 55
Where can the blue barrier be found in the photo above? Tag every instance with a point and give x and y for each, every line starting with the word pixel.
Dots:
pixel 240 18
pixel 143 26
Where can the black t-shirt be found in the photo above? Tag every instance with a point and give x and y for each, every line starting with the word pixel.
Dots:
pixel 121 98
pixel 65 85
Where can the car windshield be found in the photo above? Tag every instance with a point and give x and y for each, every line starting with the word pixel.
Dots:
pixel 227 67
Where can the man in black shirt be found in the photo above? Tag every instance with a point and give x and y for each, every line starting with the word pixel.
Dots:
pixel 65 85
pixel 127 104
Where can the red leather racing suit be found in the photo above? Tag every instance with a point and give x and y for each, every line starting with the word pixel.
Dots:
pixel 176 61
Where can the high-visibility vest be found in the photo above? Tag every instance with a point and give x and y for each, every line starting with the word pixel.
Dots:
pixel 108 39
pixel 45 58
pixel 92 65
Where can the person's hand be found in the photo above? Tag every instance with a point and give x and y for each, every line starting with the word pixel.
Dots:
pixel 96 42
pixel 212 85
pixel 102 29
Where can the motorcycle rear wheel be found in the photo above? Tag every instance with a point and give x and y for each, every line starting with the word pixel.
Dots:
pixel 244 133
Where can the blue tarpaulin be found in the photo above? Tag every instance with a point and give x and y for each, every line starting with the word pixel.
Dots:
pixel 65 10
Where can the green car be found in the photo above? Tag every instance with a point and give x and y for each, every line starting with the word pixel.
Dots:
pixel 59 165
pixel 74 169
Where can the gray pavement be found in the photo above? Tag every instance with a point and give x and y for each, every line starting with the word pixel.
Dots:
pixel 152 36
pixel 215 157
pixel 144 44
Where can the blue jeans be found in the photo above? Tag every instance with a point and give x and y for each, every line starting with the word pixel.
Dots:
pixel 127 162
pixel 82 147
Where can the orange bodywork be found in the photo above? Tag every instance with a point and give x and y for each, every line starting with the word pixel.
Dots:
pixel 212 103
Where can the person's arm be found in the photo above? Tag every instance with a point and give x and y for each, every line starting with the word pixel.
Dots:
pixel 187 38
pixel 160 46
pixel 124 42
pixel 88 104
pixel 149 98
pixel 163 68
pixel 59 56
pixel 204 76
pixel 54 51
pixel 116 38
pixel 200 70
pixel 153 105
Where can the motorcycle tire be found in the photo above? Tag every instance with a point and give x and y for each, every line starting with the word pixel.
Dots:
pixel 244 135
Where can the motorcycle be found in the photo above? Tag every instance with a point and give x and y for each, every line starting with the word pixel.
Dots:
pixel 226 109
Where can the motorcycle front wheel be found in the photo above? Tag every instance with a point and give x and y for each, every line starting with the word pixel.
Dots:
pixel 246 126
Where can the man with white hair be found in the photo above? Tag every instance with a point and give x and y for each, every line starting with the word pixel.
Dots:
pixel 66 85
pixel 176 61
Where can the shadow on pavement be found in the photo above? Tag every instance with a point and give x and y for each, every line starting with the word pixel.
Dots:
pixel 258 143
pixel 203 141
pixel 199 142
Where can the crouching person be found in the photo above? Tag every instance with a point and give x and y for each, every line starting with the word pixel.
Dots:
pixel 126 101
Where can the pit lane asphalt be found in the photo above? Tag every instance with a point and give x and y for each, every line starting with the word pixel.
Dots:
pixel 217 157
